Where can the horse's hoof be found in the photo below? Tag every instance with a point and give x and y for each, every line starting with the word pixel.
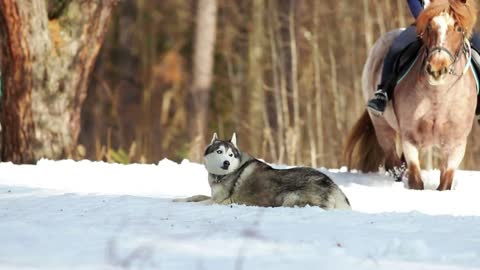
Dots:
pixel 439 188
pixel 416 186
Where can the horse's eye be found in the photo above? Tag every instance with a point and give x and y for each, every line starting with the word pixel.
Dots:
pixel 219 151
pixel 459 29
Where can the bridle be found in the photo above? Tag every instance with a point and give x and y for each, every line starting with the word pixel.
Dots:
pixel 465 48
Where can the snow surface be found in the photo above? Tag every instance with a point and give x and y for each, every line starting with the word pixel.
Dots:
pixel 94 215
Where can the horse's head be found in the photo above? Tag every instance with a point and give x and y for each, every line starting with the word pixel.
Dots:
pixel 444 26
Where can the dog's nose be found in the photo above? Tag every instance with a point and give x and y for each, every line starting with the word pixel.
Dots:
pixel 226 163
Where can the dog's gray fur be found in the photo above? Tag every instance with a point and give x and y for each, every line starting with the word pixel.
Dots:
pixel 253 182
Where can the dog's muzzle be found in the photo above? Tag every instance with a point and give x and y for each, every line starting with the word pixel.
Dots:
pixel 225 165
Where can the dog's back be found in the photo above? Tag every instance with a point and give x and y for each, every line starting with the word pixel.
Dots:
pixel 259 184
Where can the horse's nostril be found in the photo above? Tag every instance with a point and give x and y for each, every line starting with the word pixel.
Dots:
pixel 429 68
pixel 226 163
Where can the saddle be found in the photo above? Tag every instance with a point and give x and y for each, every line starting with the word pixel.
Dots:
pixel 476 72
pixel 406 59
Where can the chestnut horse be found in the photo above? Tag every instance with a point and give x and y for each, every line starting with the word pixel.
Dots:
pixel 433 105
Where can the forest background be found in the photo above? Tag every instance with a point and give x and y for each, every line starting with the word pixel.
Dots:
pixel 285 76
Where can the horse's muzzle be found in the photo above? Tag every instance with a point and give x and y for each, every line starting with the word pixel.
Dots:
pixel 438 65
pixel 439 62
pixel 436 73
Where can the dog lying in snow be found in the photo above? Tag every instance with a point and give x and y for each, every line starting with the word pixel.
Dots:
pixel 236 177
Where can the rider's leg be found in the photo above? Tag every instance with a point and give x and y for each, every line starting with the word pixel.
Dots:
pixel 475 40
pixel 385 89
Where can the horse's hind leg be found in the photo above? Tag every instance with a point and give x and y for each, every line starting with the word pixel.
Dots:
pixel 413 162
pixel 386 139
pixel 451 161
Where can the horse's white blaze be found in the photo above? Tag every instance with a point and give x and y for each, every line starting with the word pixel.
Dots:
pixel 442 21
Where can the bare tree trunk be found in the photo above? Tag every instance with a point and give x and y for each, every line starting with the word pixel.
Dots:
pixel 202 75
pixel 48 55
pixel 255 78
pixel 317 86
pixel 380 10
pixel 277 95
pixel 147 60
pixel 401 13
pixel 368 24
pixel 285 151
pixel 294 77
pixel 1 85
pixel 334 107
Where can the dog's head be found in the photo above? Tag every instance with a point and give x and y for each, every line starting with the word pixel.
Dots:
pixel 222 157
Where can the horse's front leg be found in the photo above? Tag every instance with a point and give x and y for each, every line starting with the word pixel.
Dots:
pixel 411 154
pixel 452 157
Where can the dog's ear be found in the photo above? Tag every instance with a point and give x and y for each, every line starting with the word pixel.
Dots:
pixel 214 138
pixel 233 140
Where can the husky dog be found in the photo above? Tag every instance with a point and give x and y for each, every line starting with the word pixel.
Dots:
pixel 236 177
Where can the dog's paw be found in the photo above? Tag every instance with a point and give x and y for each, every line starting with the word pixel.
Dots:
pixel 196 198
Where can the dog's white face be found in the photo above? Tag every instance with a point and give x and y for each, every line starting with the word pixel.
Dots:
pixel 222 157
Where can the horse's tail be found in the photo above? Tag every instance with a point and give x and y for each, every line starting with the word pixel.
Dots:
pixel 362 150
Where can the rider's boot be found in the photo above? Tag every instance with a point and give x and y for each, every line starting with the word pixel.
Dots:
pixel 378 103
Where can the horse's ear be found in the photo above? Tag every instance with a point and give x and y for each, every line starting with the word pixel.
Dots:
pixel 233 140
pixel 214 138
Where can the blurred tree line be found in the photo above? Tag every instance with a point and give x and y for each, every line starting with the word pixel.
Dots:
pixel 286 77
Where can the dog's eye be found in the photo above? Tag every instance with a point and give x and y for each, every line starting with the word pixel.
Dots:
pixel 219 151
pixel 230 155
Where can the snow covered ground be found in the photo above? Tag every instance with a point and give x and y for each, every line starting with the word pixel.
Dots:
pixel 93 215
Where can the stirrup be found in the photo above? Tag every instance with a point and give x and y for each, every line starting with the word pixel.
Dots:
pixel 381 94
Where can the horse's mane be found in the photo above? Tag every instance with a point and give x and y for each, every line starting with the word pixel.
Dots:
pixel 464 13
